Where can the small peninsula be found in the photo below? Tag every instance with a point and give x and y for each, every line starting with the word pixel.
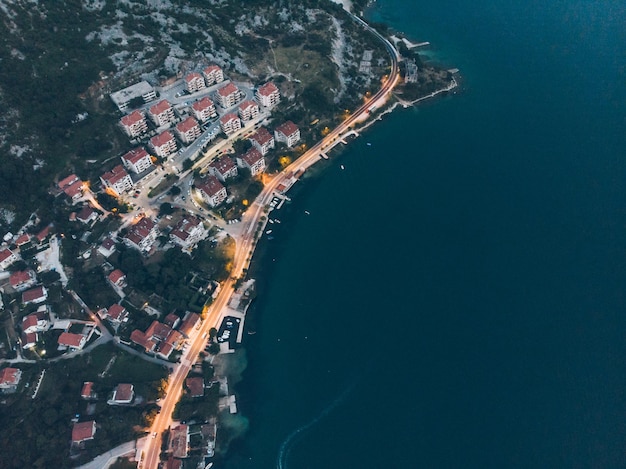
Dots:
pixel 145 150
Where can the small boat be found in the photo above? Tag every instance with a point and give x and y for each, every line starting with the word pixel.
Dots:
pixel 369 144
pixel 342 167
pixel 276 220
pixel 307 212
pixel 268 231
pixel 251 332
pixel 271 221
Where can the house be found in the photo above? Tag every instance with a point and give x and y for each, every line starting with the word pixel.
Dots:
pixel 117 314
pixel 123 394
pixel 248 110
pixel 35 322
pixel 179 441
pixel 194 82
pixel 72 186
pixel 213 74
pixel 172 320
pixel 142 235
pixel 67 181
pixel 158 338
pixel 262 140
pixel 204 109
pixel 87 391
pixel 10 378
pixel 134 124
pixel 188 130
pixel 43 234
pixel 190 321
pixel 22 240
pixel 35 295
pixel 143 90
pixel 188 232
pixel 228 95
pixel 107 247
pixel 287 132
pixel 117 278
pixel 161 113
pixel 252 160
pixel 223 168
pixel 268 95
pixel 140 338
pixel 7 257
pixel 163 144
pixel 211 190
pixel 195 386
pixel 117 180
pixel 137 160
pixel 87 214
pixel 22 280
pixel 83 431
pixel 29 340
pixel 72 341
pixel 230 123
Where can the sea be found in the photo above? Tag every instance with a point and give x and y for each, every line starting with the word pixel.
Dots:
pixel 450 290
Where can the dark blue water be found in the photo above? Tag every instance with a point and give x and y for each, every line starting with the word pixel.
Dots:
pixel 456 296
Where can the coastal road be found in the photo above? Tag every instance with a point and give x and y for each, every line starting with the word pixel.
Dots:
pixel 245 244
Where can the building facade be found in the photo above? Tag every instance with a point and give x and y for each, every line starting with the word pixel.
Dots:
pixel 263 140
pixel 117 180
pixel 228 95
pixel 194 82
pixel 268 95
pixel 161 113
pixel 211 191
pixel 134 124
pixel 230 123
pixel 163 144
pixel 188 130
pixel 248 110
pixel 204 109
pixel 287 132
pixel 137 160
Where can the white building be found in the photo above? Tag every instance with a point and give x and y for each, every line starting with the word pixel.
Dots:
pixel 142 235
pixel 287 132
pixel 117 180
pixel 188 232
pixel 230 123
pixel 223 168
pixel 163 144
pixel 213 74
pixel 188 130
pixel 268 95
pixel 253 160
pixel 194 82
pixel 161 113
pixel 248 110
pixel 211 191
pixel 137 160
pixel 262 140
pixel 228 95
pixel 204 109
pixel 134 124
pixel 143 90
pixel 7 257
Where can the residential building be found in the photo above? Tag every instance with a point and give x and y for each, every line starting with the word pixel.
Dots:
pixel 211 190
pixel 268 95
pixel 35 322
pixel 194 82
pixel 7 257
pixel 262 140
pixel 213 74
pixel 248 110
pixel 195 386
pixel 188 232
pixel 188 130
pixel 35 295
pixel 252 160
pixel 72 341
pixel 43 234
pixel 22 280
pixel 142 90
pixel 107 247
pixel 117 180
pixel 10 378
pixel 204 109
pixel 287 132
pixel 228 95
pixel 230 123
pixel 191 320
pixel 87 214
pixel 67 181
pixel 22 240
pixel 142 235
pixel 29 340
pixel 87 391
pixel 83 431
pixel 163 144
pixel 179 441
pixel 159 338
pixel 123 394
pixel 117 278
pixel 137 160
pixel 223 168
pixel 172 320
pixel 117 314
pixel 72 186
pixel 134 124
pixel 161 113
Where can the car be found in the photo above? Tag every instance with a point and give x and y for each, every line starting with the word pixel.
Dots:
pixel 154 434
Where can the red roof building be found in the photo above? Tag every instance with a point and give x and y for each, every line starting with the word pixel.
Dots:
pixel 67 181
pixel 10 377
pixel 194 82
pixel 87 391
pixel 117 278
pixel 211 190
pixel 188 232
pixel 35 322
pixel 161 113
pixel 262 140
pixel 287 132
pixel 268 95
pixel 72 341
pixel 134 124
pixel 189 323
pixel 22 280
pixel 87 214
pixel 248 110
pixel 137 160
pixel 252 160
pixel 83 431
pixel 230 123
pixel 7 257
pixel 213 74
pixel 188 130
pixel 22 240
pixel 35 295
pixel 117 313
pixel 204 109
pixel 163 144
pixel 195 386
pixel 117 180
pixel 142 235
pixel 228 95
pixel 179 441
pixel 223 168
pixel 107 247
pixel 123 394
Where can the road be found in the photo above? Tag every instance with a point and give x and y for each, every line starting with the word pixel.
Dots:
pixel 243 254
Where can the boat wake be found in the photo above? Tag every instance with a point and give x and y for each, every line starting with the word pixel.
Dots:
pixel 287 444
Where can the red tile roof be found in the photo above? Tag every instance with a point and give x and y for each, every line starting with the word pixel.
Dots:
pixel 158 330
pixel 262 136
pixel 115 174
pixel 10 376
pixel 33 294
pixel 116 311
pixel 162 139
pixel 210 185
pixel 123 392
pixel 116 275
pixel 21 277
pixel 43 234
pixel 228 117
pixel 5 254
pixel 160 107
pixel 69 339
pixel 189 323
pixel 252 156
pixel 171 319
pixel 203 104
pixel 227 89
pixel 287 128
pixel 83 431
pixel 63 183
pixel 23 239
pixel 193 76
pixel 135 155
pixel 132 118
pixel 87 390
pixel 187 125
pixel 196 386
pixel 85 213
pixel 267 89
pixel 223 164
pixel 211 69
pixel 248 103
pixel 74 188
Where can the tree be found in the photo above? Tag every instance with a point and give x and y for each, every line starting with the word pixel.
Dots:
pixel 166 209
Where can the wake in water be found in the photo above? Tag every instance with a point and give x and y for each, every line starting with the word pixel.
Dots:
pixel 285 447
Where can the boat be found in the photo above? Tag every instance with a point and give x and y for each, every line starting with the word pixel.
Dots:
pixel 268 231
pixel 251 332
pixel 307 212
pixel 276 220
pixel 369 144
pixel 342 167
pixel 271 221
